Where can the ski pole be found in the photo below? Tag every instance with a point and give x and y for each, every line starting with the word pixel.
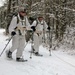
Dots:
pixel 50 42
pixel 44 39
pixel 31 45
pixel 5 46
pixel 31 52
pixel 26 45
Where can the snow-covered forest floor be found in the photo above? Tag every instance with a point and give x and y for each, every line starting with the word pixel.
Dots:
pixel 59 63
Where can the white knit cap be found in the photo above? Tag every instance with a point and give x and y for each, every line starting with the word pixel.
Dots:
pixel 22 9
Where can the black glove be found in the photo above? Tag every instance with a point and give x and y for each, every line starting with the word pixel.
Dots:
pixel 15 28
pixel 33 27
pixel 13 33
pixel 48 28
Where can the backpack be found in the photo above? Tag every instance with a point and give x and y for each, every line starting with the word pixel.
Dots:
pixel 9 18
pixel 32 19
pixel 11 15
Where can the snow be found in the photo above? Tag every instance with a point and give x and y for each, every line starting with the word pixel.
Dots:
pixel 59 63
pixel 69 9
pixel 2 2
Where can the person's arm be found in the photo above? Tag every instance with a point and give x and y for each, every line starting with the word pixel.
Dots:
pixel 13 24
pixel 34 25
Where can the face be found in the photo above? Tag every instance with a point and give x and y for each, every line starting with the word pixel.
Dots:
pixel 23 13
pixel 40 18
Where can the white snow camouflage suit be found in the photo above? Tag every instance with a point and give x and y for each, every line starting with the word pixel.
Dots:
pixel 38 34
pixel 18 41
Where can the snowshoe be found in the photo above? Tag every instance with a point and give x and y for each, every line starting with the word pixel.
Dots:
pixel 31 51
pixel 37 54
pixel 21 60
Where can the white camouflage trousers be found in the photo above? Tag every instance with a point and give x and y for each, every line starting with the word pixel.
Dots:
pixel 37 41
pixel 18 42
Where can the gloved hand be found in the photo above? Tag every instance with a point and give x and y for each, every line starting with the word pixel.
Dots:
pixel 33 27
pixel 15 28
pixel 13 33
pixel 48 28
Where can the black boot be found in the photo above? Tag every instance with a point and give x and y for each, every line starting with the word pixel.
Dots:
pixel 9 54
pixel 21 60
pixel 37 54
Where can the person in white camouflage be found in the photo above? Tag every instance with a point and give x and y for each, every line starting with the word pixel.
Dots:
pixel 17 29
pixel 38 26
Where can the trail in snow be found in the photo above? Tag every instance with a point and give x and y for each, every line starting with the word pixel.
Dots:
pixel 46 65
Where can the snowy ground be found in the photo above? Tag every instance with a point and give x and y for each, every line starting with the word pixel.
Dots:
pixel 58 64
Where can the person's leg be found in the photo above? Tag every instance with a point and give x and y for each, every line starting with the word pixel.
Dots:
pixel 14 46
pixel 36 42
pixel 40 40
pixel 20 50
pixel 27 36
pixel 15 42
pixel 21 45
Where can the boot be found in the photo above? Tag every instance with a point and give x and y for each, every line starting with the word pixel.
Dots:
pixel 20 60
pixel 37 54
pixel 9 54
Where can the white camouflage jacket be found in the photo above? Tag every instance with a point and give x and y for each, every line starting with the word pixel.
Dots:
pixel 22 24
pixel 40 26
